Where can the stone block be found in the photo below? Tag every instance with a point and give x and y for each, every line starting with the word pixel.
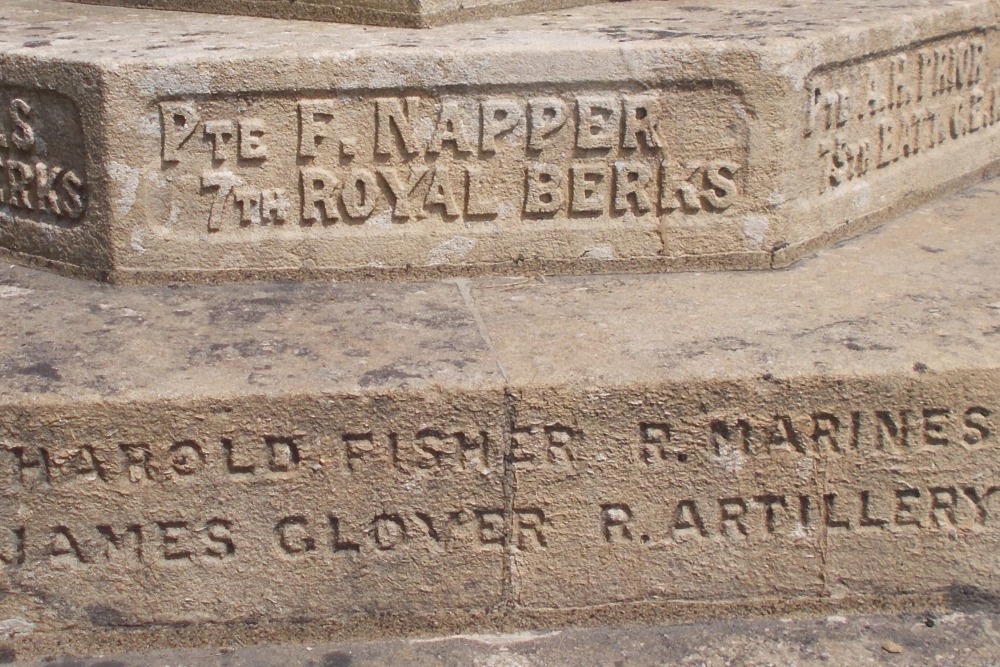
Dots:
pixel 143 146
pixel 204 465
pixel 401 13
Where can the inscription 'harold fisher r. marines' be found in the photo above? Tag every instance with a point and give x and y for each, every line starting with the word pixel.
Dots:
pixel 320 163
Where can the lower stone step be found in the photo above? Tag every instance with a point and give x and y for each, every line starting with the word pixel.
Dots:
pixel 962 638
pixel 181 464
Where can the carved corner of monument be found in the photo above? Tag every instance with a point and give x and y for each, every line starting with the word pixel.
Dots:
pixel 51 153
pixel 184 166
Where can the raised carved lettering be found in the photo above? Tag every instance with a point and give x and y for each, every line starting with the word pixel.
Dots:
pixel 453 158
pixel 871 115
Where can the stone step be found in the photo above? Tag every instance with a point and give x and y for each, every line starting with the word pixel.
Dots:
pixel 411 14
pixel 143 146
pixel 964 638
pixel 200 465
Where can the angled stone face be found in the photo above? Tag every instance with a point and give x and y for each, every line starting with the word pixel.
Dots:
pixel 139 147
pixel 400 13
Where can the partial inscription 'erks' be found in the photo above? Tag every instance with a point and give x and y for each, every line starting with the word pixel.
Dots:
pixel 42 173
pixel 870 115
pixel 391 160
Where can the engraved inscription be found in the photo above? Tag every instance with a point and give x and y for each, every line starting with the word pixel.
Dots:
pixel 948 507
pixel 169 542
pixel 329 164
pixel 841 432
pixel 474 449
pixel 678 441
pixel 42 176
pixel 177 542
pixel 871 115
pixel 343 526
pixel 249 456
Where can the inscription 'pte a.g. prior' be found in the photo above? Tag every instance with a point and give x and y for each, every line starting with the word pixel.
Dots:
pixel 392 159
pixel 876 113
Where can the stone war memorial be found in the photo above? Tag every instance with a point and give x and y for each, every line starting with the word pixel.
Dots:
pixel 318 323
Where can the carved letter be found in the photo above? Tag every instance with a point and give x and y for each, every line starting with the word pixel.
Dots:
pixel 589 186
pixel 639 119
pixel 440 192
pixel 23 135
pixel 614 522
pixel 548 115
pixel 319 196
pixel 221 133
pixel 403 206
pixel 450 128
pixel 389 114
pixel 251 140
pixel 631 180
pixel 178 121
pixel 360 193
pixel 598 122
pixel 498 117
pixel 544 188
pixel 222 183
pixel 314 121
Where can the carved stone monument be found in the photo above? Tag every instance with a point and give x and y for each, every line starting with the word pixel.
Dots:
pixel 186 463
pixel 652 138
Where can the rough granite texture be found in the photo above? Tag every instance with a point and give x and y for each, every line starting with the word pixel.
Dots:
pixel 207 465
pixel 141 146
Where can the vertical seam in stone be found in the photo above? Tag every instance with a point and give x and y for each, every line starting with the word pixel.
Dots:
pixel 508 595
pixel 823 482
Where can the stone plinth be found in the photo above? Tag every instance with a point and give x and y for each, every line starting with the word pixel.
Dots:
pixel 228 464
pixel 401 13
pixel 647 136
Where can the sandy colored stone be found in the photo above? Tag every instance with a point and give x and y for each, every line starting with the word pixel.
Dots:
pixel 402 13
pixel 195 465
pixel 643 136
pixel 961 637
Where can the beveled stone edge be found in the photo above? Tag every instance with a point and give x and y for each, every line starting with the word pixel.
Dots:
pixel 386 626
pixel 349 13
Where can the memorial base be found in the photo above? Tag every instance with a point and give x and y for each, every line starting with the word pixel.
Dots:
pixel 280 461
pixel 140 146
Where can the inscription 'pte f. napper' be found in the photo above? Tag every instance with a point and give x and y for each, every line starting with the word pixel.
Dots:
pixel 406 159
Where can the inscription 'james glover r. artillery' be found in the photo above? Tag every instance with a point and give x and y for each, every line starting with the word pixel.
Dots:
pixel 314 535
pixel 341 161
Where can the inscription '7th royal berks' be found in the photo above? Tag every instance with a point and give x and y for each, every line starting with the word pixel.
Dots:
pixel 321 163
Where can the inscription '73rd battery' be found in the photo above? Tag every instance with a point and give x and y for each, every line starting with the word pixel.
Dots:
pixel 319 162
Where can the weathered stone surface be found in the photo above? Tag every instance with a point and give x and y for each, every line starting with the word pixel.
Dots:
pixel 960 637
pixel 404 13
pixel 206 464
pixel 646 136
